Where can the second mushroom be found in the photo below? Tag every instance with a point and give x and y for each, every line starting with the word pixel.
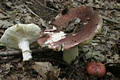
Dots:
pixel 20 36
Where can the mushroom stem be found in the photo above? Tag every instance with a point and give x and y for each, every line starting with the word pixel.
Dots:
pixel 70 54
pixel 26 52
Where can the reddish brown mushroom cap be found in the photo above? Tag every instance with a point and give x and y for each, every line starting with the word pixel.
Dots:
pixel 82 12
pixel 88 31
pixel 96 69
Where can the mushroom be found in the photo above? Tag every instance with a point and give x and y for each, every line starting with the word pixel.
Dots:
pixel 20 36
pixel 96 69
pixel 91 25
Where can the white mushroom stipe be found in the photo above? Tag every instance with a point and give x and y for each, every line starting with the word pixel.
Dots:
pixel 26 52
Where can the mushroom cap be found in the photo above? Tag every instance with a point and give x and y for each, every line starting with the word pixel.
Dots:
pixel 13 35
pixel 96 69
pixel 86 15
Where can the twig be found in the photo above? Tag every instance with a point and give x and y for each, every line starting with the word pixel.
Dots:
pixel 46 7
pixel 101 8
pixel 31 11
pixel 38 9
pixel 16 52
pixel 42 21
pixel 110 20
pixel 9 53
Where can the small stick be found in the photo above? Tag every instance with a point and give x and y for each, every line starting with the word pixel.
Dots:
pixel 9 53
pixel 111 20
pixel 16 52
pixel 31 11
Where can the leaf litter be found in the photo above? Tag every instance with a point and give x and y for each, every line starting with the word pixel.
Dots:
pixel 105 45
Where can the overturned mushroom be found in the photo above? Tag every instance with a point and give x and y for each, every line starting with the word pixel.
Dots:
pixel 91 25
pixel 21 36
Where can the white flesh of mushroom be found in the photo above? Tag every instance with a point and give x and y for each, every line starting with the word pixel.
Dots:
pixel 26 52
pixel 21 36
pixel 54 37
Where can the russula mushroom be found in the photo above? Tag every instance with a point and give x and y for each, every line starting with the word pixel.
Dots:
pixel 91 25
pixel 20 36
pixel 96 69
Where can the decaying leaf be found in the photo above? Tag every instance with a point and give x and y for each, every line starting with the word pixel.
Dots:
pixel 46 70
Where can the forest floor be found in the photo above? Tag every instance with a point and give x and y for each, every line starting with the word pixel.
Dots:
pixel 104 47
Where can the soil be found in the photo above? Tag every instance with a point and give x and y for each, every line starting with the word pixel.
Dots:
pixel 104 47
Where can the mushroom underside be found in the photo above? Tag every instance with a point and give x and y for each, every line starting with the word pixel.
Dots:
pixel 20 36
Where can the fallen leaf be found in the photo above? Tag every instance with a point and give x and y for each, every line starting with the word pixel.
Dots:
pixel 46 70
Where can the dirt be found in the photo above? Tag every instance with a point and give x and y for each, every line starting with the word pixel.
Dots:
pixel 104 47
